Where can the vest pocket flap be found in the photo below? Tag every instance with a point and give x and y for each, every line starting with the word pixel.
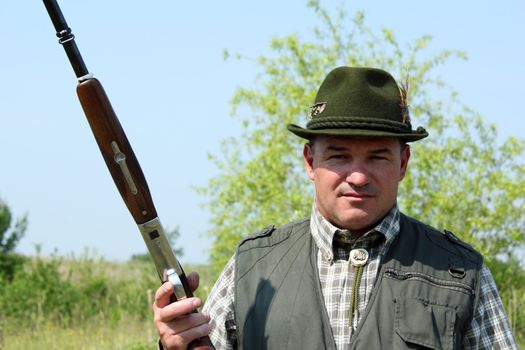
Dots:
pixel 425 323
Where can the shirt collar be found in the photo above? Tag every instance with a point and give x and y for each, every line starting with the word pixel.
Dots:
pixel 323 231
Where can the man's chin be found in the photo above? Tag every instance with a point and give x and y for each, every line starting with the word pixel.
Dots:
pixel 356 221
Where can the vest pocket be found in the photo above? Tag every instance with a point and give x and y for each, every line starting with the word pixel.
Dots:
pixel 424 323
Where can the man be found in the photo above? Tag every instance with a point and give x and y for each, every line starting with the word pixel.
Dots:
pixel 356 274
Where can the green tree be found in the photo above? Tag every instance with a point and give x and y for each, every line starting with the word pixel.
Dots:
pixel 463 177
pixel 466 180
pixel 9 238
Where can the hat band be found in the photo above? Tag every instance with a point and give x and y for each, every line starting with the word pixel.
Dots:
pixel 358 123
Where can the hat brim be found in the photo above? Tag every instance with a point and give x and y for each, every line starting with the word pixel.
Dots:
pixel 309 133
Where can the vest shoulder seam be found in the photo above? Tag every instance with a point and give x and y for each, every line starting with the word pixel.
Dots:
pixel 446 240
pixel 270 235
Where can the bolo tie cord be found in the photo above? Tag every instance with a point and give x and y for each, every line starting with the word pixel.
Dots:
pixel 358 258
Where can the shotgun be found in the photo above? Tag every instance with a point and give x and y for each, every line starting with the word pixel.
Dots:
pixel 123 165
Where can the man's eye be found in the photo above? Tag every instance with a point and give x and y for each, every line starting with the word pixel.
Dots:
pixel 337 156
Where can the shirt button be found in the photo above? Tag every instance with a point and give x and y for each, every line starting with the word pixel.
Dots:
pixel 328 258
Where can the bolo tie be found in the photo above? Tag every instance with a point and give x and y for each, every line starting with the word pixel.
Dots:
pixel 358 259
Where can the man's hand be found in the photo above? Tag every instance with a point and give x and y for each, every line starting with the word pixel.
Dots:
pixel 175 322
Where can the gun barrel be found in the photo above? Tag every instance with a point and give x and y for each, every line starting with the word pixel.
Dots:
pixel 66 38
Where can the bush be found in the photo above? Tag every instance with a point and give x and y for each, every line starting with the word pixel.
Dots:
pixel 9 238
pixel 68 291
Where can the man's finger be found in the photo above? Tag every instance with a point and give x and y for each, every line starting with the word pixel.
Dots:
pixel 177 309
pixel 184 323
pixel 182 340
pixel 162 295
pixel 193 280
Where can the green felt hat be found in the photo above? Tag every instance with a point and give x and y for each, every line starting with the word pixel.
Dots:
pixel 365 102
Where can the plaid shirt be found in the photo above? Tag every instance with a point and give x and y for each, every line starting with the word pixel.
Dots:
pixel 489 328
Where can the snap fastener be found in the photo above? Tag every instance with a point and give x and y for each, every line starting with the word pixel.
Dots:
pixel 358 257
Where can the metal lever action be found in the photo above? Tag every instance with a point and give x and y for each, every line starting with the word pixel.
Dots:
pixel 166 263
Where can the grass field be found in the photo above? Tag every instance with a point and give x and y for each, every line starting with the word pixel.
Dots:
pixel 82 303
pixel 127 334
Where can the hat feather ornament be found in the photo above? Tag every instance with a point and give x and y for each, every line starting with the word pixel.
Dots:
pixel 403 101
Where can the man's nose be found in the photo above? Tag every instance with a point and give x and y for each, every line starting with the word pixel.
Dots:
pixel 358 176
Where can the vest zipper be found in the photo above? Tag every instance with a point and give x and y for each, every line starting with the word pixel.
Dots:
pixel 418 276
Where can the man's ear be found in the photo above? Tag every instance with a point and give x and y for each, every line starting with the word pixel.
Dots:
pixel 309 160
pixel 405 157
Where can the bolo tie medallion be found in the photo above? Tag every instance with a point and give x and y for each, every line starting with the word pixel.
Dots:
pixel 358 257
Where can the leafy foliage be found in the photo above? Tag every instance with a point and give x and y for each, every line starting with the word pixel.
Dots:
pixel 82 302
pixel 69 291
pixel 9 238
pixel 467 182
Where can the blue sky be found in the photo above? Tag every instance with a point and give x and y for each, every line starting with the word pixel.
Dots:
pixel 161 65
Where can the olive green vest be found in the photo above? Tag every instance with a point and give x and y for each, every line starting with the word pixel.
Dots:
pixel 424 296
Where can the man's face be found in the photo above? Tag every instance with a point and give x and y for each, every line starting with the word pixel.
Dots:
pixel 356 179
